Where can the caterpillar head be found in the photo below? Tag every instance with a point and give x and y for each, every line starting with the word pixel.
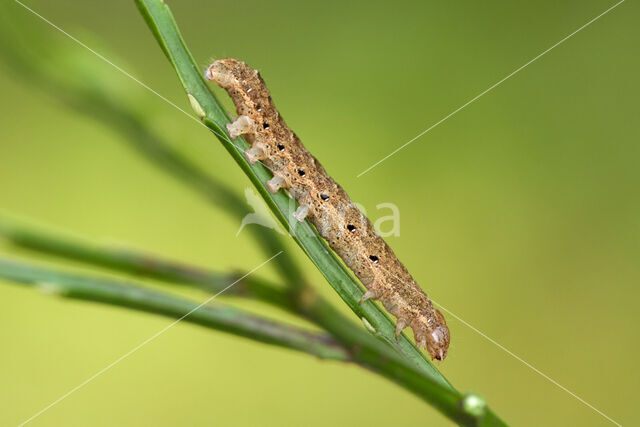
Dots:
pixel 438 342
pixel 434 335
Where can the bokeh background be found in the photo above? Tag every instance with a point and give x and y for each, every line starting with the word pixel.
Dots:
pixel 520 214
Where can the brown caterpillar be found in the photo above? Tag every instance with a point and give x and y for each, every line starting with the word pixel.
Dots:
pixel 348 231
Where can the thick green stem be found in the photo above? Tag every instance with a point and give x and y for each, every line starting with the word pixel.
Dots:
pixel 367 351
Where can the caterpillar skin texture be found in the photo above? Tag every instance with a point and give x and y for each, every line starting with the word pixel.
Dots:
pixel 348 231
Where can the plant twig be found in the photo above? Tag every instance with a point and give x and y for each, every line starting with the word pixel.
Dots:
pixel 140 264
pixel 432 387
pixel 360 347
pixel 221 318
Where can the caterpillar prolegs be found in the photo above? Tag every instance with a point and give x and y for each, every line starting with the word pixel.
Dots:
pixel 347 230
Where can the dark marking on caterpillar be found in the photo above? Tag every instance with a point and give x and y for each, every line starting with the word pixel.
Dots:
pixel 347 230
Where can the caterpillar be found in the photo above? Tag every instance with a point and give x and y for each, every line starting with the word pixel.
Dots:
pixel 327 206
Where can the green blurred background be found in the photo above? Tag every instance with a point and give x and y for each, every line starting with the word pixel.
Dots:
pixel 520 214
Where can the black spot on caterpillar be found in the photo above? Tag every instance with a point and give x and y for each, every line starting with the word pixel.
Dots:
pixel 347 230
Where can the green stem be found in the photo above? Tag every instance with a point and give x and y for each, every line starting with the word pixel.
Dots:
pixel 221 318
pixel 145 265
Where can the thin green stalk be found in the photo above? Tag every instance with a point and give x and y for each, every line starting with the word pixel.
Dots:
pixel 162 24
pixel 139 264
pixel 220 318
